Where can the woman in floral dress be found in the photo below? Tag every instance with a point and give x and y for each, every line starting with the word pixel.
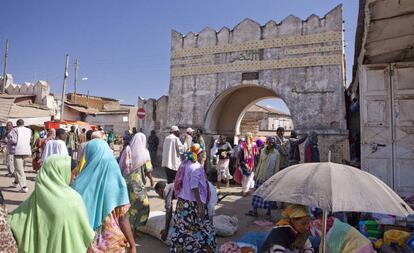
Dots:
pixel 136 165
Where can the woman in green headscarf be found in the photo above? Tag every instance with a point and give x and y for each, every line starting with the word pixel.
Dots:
pixel 54 217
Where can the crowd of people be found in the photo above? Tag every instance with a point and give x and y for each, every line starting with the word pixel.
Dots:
pixel 88 200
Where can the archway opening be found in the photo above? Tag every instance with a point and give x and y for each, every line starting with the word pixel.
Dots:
pixel 227 112
pixel 264 117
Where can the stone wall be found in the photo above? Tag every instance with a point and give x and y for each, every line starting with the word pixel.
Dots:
pixel 300 61
pixel 155 119
pixel 40 89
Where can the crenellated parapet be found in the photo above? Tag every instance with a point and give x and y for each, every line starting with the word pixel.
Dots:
pixel 196 53
pixel 40 89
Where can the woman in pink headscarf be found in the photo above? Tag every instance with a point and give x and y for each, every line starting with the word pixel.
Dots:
pixel 135 163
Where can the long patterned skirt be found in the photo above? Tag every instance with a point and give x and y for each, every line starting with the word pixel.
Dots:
pixel 190 233
pixel 140 209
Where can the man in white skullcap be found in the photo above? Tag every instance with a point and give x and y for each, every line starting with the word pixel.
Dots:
pixel 171 152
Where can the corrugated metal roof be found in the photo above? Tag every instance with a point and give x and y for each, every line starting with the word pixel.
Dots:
pixel 5 106
pixel 81 109
pixel 28 111
pixel 268 109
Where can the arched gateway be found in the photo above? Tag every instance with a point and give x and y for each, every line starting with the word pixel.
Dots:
pixel 215 76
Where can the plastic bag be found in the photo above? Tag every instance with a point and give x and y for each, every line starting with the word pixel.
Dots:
pixel 212 201
pixel 154 226
pixel 225 225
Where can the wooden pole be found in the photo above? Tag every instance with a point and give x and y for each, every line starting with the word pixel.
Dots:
pixel 6 55
pixel 323 239
pixel 65 78
pixel 75 82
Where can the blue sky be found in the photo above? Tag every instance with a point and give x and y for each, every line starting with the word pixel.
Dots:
pixel 123 47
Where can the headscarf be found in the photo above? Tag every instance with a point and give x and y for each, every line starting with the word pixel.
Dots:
pixel 96 135
pixel 249 141
pixel 195 150
pixel 313 138
pixel 100 182
pixel 42 134
pixel 249 150
pixel 259 143
pixel 54 147
pixel 139 152
pixel 293 212
pixel 54 217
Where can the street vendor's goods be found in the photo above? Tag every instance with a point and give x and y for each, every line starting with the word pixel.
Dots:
pixel 410 242
pixel 237 247
pixel 396 237
pixel 154 226
pixel 225 225
pixel 229 247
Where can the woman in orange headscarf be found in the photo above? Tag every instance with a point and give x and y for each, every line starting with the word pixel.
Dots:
pixel 290 233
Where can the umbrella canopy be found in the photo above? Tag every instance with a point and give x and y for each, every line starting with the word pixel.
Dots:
pixel 333 187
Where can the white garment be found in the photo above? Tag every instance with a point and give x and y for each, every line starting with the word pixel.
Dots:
pixel 139 152
pixel 188 141
pixel 214 149
pixel 20 139
pixel 54 147
pixel 247 182
pixel 172 149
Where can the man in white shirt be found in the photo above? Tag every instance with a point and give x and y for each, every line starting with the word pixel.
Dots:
pixel 20 140
pixel 171 152
pixel 56 146
pixel 188 139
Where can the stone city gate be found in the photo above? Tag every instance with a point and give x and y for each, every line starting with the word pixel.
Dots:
pixel 215 76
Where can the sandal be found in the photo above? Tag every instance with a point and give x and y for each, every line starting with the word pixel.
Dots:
pixel 252 213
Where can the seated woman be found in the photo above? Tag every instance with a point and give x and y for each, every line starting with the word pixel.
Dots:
pixel 103 189
pixel 54 217
pixel 341 237
pixel 290 233
pixel 193 229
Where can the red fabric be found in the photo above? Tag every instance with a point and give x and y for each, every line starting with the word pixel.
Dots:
pixel 308 153
pixel 238 176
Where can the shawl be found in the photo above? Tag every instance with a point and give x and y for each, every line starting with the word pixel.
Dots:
pixel 125 161
pixel 249 160
pixel 100 182
pixel 54 147
pixel 178 181
pixel 54 217
pixel 344 238
pixel 139 152
pixel 264 161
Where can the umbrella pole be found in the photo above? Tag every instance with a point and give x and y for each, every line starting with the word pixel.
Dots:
pixel 323 239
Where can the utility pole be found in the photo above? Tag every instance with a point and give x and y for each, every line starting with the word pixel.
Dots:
pixel 76 79
pixel 87 99
pixel 6 55
pixel 65 78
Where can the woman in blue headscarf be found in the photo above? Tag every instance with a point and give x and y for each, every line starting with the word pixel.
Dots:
pixel 103 189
